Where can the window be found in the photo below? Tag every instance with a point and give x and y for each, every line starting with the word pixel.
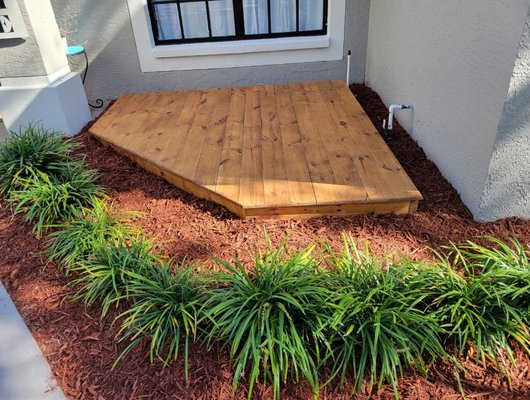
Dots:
pixel 184 49
pixel 190 21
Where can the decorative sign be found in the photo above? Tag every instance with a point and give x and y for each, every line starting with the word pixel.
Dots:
pixel 11 22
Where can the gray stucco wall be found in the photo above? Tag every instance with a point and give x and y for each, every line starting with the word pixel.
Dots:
pixel 21 57
pixel 507 190
pixel 106 28
pixel 453 60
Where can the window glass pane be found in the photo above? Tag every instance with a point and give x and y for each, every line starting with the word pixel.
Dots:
pixel 167 21
pixel 256 18
pixel 311 15
pixel 222 18
pixel 194 19
pixel 283 16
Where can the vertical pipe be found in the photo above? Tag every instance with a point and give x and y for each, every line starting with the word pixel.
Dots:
pixel 348 69
pixel 390 123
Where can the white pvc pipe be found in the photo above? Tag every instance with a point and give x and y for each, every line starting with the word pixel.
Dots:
pixel 390 124
pixel 391 110
pixel 348 68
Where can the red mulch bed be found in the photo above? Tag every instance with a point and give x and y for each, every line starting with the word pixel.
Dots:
pixel 81 348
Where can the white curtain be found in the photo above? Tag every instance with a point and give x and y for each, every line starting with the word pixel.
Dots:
pixel 195 19
pixel 283 16
pixel 167 21
pixel 255 12
pixel 311 15
pixel 256 16
pixel 222 18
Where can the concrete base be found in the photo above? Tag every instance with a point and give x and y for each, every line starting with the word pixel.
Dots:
pixel 24 372
pixel 60 105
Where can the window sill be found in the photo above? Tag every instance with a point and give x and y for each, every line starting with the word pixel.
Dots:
pixel 240 47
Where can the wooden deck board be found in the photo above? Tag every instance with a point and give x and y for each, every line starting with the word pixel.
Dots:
pixel 186 165
pixel 172 150
pixel 210 157
pixel 229 173
pixel 264 151
pixel 334 140
pixel 157 127
pixel 252 157
pixel 299 181
pixel 275 183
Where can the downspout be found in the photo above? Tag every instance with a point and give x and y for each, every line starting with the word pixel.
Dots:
pixel 390 125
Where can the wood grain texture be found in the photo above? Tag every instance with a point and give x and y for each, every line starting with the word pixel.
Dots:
pixel 272 151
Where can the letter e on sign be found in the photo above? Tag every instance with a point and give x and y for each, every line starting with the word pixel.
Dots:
pixel 5 24
pixel 11 21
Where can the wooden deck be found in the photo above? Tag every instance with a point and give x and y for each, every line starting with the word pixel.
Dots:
pixel 280 150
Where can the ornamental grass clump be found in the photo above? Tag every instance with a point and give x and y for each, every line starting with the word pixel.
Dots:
pixel 270 319
pixel 166 304
pixel 479 297
pixel 33 149
pixel 86 231
pixel 106 277
pixel 378 327
pixel 46 199
pixel 505 265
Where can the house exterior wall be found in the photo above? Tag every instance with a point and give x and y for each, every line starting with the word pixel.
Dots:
pixel 20 57
pixel 115 69
pixel 36 85
pixel 507 190
pixel 453 60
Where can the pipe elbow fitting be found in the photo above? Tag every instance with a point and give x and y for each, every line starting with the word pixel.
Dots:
pixel 394 107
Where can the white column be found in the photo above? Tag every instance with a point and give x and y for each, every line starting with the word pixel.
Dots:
pixel 53 95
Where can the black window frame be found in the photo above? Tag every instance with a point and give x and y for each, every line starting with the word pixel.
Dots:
pixel 239 22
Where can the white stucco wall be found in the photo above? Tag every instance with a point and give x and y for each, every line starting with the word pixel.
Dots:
pixel 453 60
pixel 105 28
pixel 507 190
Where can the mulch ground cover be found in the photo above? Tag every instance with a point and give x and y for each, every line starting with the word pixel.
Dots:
pixel 81 348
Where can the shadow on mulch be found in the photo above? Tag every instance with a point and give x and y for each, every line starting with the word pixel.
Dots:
pixel 81 348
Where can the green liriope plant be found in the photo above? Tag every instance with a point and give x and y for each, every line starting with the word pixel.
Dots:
pixel 30 150
pixel 378 326
pixel 271 319
pixel 479 297
pixel 166 304
pixel 106 277
pixel 507 265
pixel 86 231
pixel 476 295
pixel 45 199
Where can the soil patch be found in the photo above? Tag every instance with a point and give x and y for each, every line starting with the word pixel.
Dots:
pixel 81 348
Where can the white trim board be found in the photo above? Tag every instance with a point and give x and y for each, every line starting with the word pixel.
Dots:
pixel 236 53
pixel 35 81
